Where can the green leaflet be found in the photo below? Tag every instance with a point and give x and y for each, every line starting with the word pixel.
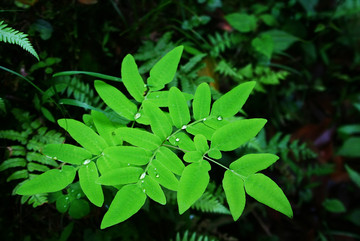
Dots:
pixel 88 174
pixel 119 176
pixel 164 70
pixel 105 164
pixel 216 123
pixel 178 108
pixel 214 153
pixel 128 201
pixel 163 175
pixel 104 127
pixel 201 128
pixel 116 100
pixel 266 191
pixel 252 163
pixel 51 181
pixel 263 44
pixel 67 153
pixel 128 155
pixel 139 137
pixel 193 156
pixel 233 135
pixel 153 190
pixel 235 193
pixel 79 208
pixel 84 135
pixel 159 123
pixel 231 103
pixel 201 143
pixel 132 79
pixel 242 22
pixel 170 160
pixel 202 101
pixel 192 185
pixel 161 98
pixel 183 141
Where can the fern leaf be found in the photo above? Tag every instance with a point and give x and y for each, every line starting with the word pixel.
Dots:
pixel 14 136
pixel 192 237
pixel 12 162
pixel 21 174
pixel 210 204
pixel 10 35
pixel 2 105
pixel 227 69
pixel 37 157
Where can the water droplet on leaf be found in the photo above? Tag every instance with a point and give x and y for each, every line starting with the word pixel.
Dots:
pixel 157 175
pixel 142 176
pixel 204 119
pixel 86 162
pixel 144 190
pixel 183 127
pixel 177 139
pixel 137 116
pixel 219 118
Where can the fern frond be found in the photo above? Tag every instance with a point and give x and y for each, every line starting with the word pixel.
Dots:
pixel 209 203
pixel 37 157
pixel 226 68
pixel 193 237
pixel 14 135
pixel 13 36
pixel 12 162
pixel 2 105
pixel 221 42
pixel 21 174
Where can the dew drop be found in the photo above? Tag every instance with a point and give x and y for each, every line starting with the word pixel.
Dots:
pixel 177 139
pixel 65 206
pixel 145 85
pixel 183 127
pixel 144 190
pixel 66 198
pixel 142 176
pixel 78 196
pixel 219 118
pixel 157 175
pixel 86 162
pixel 102 153
pixel 204 119
pixel 137 116
pixel 128 164
pixel 142 181
pixel 155 169
pixel 72 190
pixel 55 158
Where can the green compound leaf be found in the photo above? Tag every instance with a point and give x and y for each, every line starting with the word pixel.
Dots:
pixel 201 143
pixel 242 22
pixel 252 163
pixel 128 155
pixel 178 108
pixel 163 175
pixel 202 101
pixel 132 79
pixel 51 181
pixel 79 208
pixel 164 70
pixel 153 190
pixel 120 176
pixel 170 160
pixel 159 123
pixel 192 185
pixel 128 201
pixel 88 175
pixel 233 135
pixel 67 153
pixel 201 128
pixel 105 128
pixel 235 193
pixel 116 100
pixel 139 137
pixel 84 135
pixel 231 103
pixel 266 191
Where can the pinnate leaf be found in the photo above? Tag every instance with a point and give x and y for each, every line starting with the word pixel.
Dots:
pixel 159 123
pixel 139 137
pixel 128 201
pixel 252 163
pixel 51 181
pixel 235 193
pixel 202 101
pixel 164 70
pixel 132 79
pixel 120 176
pixel 116 100
pixel 178 108
pixel 266 191
pixel 88 174
pixel 233 135
pixel 231 103
pixel 84 135
pixel 67 153
pixel 192 185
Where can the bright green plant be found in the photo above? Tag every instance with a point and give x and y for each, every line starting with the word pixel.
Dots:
pixel 162 134
pixel 10 35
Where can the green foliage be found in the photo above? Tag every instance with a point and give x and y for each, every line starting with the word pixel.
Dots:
pixel 193 237
pixel 147 161
pixel 10 35
pixel 25 159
